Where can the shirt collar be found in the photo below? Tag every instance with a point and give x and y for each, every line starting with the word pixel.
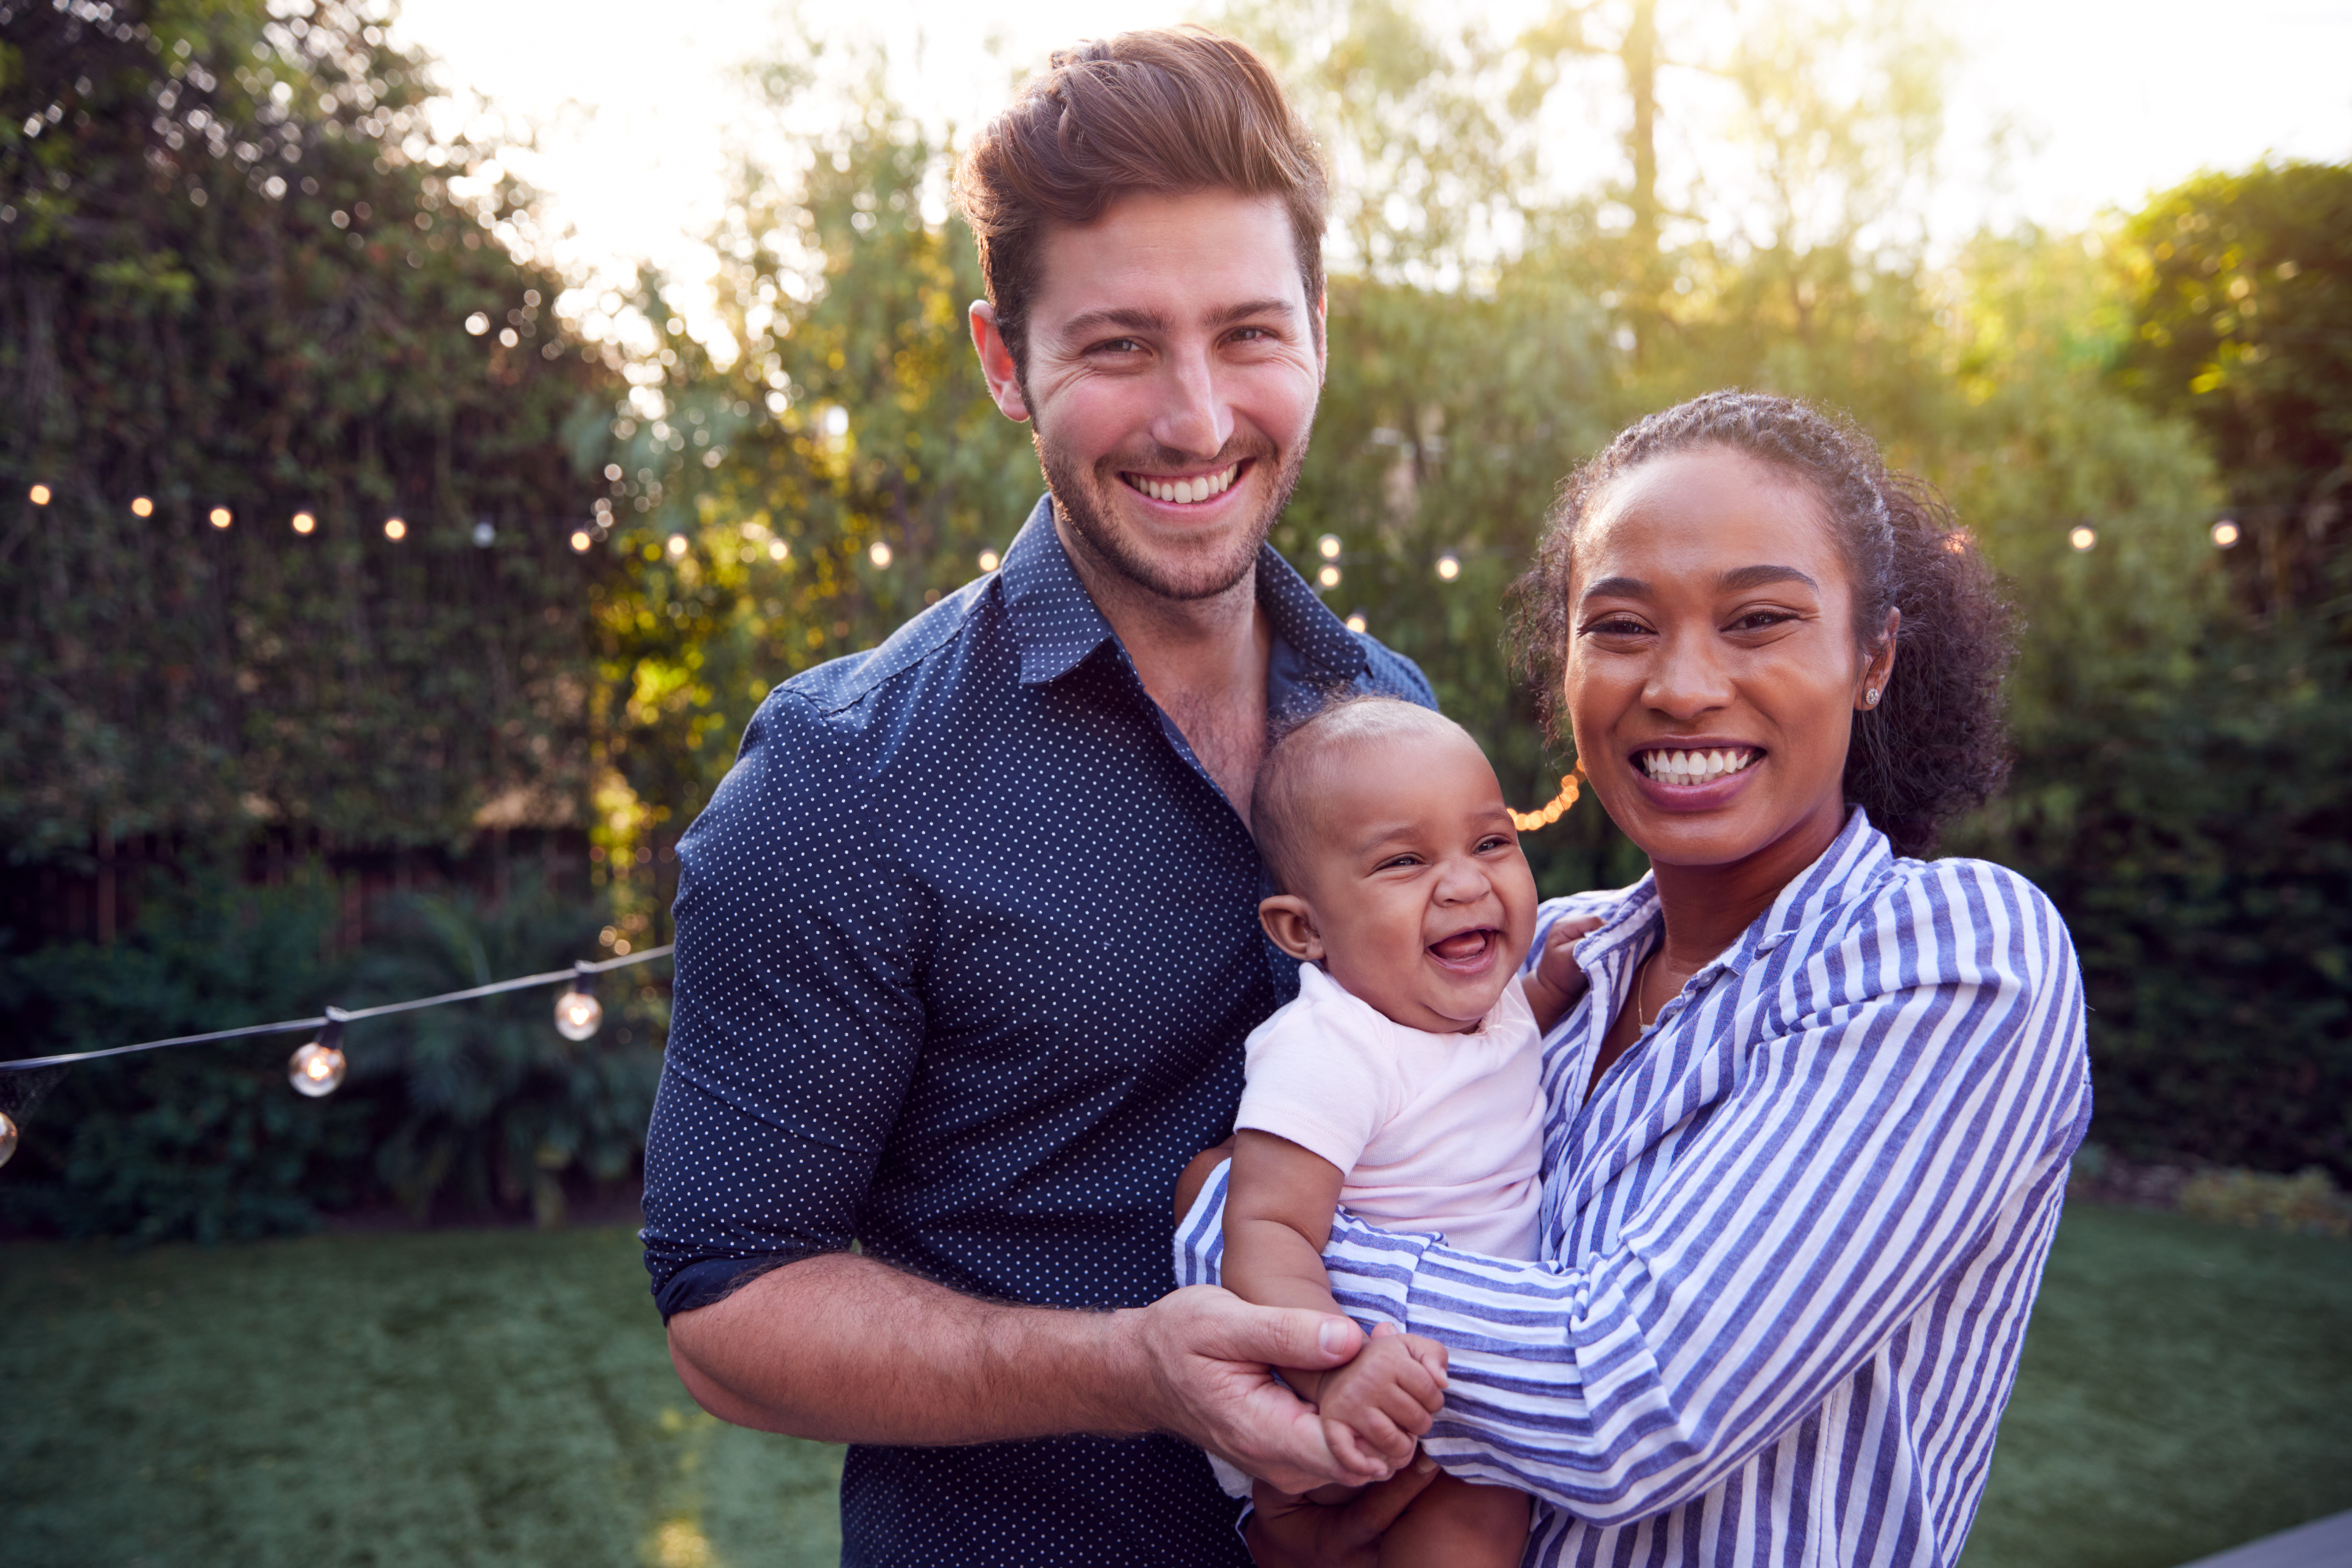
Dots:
pixel 1055 623
pixel 1857 859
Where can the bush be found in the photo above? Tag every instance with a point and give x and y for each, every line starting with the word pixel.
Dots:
pixel 481 1105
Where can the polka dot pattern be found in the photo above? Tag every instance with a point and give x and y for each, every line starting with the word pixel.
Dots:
pixel 967 949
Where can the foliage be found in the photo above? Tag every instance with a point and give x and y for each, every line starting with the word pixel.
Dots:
pixel 205 1141
pixel 484 1102
pixel 481 1103
pixel 2305 1203
pixel 236 273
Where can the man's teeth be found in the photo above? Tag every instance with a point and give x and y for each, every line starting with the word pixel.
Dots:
pixel 1696 768
pixel 1202 489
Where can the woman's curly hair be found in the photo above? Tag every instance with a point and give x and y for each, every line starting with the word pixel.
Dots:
pixel 1935 744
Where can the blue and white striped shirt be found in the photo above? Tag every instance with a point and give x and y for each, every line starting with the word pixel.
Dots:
pixel 1790 1244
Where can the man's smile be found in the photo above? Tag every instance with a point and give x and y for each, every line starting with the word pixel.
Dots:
pixel 1186 489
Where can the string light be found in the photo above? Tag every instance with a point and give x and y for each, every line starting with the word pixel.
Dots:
pixel 990 559
pixel 317 1070
pixel 1552 810
pixel 394 529
pixel 582 539
pixel 1356 623
pixel 677 545
pixel 7 1137
pixel 39 495
pixel 2225 533
pixel 778 549
pixel 2084 537
pixel 304 522
pixel 879 553
pixel 1330 545
pixel 219 517
pixel 1449 566
pixel 1328 577
pixel 141 507
pixel 578 1014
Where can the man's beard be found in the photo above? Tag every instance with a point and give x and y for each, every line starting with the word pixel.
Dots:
pixel 1083 499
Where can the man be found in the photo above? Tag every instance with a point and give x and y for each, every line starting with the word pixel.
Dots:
pixel 967 940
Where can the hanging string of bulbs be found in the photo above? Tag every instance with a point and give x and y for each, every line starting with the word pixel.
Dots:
pixel 317 1067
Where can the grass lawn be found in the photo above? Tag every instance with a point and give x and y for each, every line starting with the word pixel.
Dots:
pixel 504 1398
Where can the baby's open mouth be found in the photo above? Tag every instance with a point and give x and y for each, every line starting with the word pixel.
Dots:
pixel 1466 946
pixel 1188 489
pixel 1689 766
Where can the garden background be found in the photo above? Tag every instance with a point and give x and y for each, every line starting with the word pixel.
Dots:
pixel 263 750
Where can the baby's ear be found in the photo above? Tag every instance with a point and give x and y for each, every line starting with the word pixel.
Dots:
pixel 1290 922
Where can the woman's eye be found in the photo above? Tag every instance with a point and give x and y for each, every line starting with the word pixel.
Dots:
pixel 1616 627
pixel 1761 620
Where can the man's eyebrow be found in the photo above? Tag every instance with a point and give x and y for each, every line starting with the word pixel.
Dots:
pixel 1130 320
pixel 1757 576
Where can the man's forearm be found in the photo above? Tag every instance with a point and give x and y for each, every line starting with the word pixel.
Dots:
pixel 846 1349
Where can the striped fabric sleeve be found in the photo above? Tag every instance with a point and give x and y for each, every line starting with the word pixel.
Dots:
pixel 1855 1163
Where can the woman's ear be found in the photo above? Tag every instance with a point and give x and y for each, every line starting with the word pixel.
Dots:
pixel 1290 922
pixel 1871 689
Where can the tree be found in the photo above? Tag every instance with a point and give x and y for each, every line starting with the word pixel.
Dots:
pixel 250 311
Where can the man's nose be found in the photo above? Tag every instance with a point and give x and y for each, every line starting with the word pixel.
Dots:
pixel 1193 416
pixel 1686 677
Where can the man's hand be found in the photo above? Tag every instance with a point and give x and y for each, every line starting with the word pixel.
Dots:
pixel 1377 1406
pixel 1288 1532
pixel 1210 1357
pixel 1557 981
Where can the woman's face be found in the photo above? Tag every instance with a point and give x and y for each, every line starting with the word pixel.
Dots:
pixel 1712 673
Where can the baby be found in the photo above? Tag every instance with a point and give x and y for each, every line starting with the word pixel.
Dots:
pixel 1404 1082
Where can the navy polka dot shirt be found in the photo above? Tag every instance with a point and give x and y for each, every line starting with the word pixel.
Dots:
pixel 967 948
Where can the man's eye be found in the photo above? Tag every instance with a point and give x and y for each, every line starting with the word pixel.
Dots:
pixel 1119 346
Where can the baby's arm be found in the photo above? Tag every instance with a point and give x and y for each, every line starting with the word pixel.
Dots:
pixel 1277 1218
pixel 1555 983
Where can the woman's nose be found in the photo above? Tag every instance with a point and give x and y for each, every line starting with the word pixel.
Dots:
pixel 1686 677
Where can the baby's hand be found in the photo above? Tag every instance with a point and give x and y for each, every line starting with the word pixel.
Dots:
pixel 1376 1407
pixel 1557 981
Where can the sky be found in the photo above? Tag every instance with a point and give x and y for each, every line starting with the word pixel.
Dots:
pixel 634 108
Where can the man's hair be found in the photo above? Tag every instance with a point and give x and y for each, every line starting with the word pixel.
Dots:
pixel 1296 771
pixel 1154 111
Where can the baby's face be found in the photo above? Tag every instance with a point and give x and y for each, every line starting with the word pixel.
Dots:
pixel 1414 892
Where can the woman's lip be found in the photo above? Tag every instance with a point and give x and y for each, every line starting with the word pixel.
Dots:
pixel 1714 791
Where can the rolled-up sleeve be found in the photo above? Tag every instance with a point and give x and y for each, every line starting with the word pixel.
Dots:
pixel 796 1022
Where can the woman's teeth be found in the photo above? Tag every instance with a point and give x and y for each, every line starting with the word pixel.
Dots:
pixel 1696 767
pixel 1182 490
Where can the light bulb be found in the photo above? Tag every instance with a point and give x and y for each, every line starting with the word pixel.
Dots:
pixel 221 518
pixel 778 549
pixel 677 545
pixel 304 522
pixel 141 507
pixel 2083 537
pixel 990 559
pixel 39 494
pixel 2225 533
pixel 7 1137
pixel 1449 566
pixel 1328 577
pixel 879 554
pixel 1330 545
pixel 582 539
pixel 1356 623
pixel 394 529
pixel 578 1014
pixel 316 1069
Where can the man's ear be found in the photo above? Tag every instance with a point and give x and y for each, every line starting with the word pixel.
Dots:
pixel 996 362
pixel 1290 922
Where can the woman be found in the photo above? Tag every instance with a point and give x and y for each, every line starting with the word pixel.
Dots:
pixel 1807 1132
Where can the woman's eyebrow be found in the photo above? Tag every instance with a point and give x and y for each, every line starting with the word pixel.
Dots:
pixel 1757 576
pixel 1618 588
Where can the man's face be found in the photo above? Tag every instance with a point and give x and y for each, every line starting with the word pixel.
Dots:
pixel 1173 365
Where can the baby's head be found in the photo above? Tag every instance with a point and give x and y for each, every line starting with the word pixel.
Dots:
pixel 1400 870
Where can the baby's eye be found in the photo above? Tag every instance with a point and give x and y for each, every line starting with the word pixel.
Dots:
pixel 1493 842
pixel 1396 860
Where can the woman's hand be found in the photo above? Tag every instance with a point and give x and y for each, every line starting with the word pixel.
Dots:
pixel 1288 1532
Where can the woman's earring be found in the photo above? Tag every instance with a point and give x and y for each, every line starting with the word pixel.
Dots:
pixel 1870 698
